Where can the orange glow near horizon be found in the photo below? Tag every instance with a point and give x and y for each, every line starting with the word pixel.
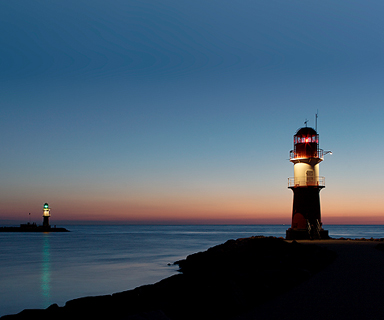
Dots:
pixel 211 204
pixel 247 209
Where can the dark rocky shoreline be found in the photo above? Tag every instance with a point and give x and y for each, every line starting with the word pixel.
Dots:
pixel 220 283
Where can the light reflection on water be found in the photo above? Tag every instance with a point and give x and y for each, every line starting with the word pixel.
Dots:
pixel 46 272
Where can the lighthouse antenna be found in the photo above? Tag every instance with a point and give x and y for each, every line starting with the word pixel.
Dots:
pixel 317 114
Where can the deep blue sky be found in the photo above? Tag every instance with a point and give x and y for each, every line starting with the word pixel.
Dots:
pixel 164 110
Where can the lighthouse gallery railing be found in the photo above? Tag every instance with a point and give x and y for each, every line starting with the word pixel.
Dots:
pixel 319 153
pixel 305 182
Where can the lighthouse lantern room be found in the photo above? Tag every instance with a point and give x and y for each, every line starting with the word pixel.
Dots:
pixel 306 186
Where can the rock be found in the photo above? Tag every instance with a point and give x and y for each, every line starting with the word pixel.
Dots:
pixel 152 315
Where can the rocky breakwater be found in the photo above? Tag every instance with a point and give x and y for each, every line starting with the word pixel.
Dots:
pixel 219 283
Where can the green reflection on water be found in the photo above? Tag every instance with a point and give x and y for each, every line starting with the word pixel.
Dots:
pixel 46 272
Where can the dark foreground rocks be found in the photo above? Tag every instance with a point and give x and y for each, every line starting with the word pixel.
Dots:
pixel 219 283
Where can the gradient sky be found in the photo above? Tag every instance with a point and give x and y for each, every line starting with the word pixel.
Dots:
pixel 184 111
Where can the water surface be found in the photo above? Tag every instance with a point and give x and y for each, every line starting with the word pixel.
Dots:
pixel 38 269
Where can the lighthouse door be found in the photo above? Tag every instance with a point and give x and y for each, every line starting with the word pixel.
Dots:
pixel 310 178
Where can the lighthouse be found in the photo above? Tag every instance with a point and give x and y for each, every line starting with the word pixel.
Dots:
pixel 46 215
pixel 306 186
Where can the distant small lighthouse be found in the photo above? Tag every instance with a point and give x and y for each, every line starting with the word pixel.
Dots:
pixel 306 186
pixel 46 215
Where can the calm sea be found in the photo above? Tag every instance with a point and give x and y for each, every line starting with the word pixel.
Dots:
pixel 38 269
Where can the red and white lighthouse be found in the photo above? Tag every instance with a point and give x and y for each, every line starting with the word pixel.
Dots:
pixel 306 186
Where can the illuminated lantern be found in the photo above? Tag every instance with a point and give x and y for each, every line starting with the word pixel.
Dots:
pixel 306 186
pixel 46 215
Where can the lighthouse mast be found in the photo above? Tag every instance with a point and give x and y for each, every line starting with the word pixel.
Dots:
pixel 306 186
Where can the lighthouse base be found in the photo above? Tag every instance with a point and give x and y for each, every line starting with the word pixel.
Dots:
pixel 304 234
pixel 46 222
